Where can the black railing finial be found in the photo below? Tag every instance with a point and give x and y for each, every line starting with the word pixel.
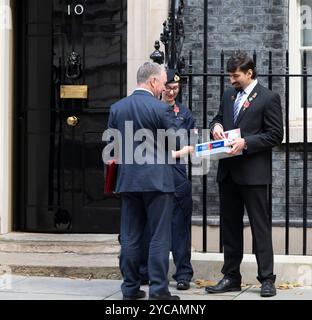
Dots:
pixel 172 36
pixel 157 56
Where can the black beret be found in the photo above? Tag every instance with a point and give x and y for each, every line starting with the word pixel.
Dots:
pixel 173 76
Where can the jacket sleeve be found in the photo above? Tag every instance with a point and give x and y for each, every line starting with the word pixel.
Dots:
pixel 218 118
pixel 273 131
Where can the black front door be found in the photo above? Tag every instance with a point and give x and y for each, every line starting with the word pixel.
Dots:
pixel 73 68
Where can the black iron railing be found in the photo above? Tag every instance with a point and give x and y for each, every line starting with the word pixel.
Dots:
pixel 270 76
pixel 172 38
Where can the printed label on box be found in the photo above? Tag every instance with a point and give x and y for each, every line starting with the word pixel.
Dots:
pixel 217 149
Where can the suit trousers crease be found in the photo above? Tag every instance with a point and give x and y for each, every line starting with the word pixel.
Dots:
pixel 233 199
pixel 155 210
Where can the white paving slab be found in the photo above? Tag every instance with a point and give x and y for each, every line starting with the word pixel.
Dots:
pixel 34 296
pixel 304 293
pixel 183 296
pixel 43 288
pixel 59 286
pixel 8 282
pixel 192 294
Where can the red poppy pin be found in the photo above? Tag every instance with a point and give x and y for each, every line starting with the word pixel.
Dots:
pixel 176 110
pixel 247 103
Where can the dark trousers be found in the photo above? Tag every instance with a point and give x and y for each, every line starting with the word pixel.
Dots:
pixel 233 198
pixel 181 236
pixel 152 209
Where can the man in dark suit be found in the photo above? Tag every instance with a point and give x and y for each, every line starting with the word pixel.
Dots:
pixel 244 179
pixel 146 187
pixel 180 118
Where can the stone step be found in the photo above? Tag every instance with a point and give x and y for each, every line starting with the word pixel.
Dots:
pixel 288 268
pixel 67 265
pixel 60 255
pixel 59 243
pixel 82 262
pixel 49 247
pixel 207 266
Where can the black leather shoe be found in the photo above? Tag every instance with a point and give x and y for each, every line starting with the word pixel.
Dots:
pixel 268 289
pixel 139 295
pixel 163 297
pixel 183 285
pixel 224 285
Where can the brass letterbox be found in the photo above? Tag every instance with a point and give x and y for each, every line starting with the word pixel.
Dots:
pixel 74 91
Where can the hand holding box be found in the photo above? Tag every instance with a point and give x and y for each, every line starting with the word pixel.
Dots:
pixel 218 149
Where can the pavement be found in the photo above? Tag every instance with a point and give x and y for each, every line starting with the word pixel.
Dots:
pixel 16 287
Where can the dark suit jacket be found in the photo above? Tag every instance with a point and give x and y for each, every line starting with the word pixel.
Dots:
pixel 261 125
pixel 146 112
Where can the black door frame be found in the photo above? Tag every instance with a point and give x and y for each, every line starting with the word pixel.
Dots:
pixel 20 114
pixel 19 52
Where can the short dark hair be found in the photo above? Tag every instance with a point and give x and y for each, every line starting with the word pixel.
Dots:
pixel 243 62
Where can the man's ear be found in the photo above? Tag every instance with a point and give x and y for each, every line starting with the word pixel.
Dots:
pixel 152 82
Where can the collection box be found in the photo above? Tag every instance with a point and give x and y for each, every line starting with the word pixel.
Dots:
pixel 217 149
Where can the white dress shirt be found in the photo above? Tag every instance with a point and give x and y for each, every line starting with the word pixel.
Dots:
pixel 247 92
pixel 143 89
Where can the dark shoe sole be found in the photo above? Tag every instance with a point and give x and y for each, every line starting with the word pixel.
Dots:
pixel 267 295
pixel 140 295
pixel 223 291
pixel 164 297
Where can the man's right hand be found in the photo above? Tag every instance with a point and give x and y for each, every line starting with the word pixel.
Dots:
pixel 218 133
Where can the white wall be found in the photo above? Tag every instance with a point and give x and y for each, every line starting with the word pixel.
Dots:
pixel 5 115
pixel 295 67
pixel 145 19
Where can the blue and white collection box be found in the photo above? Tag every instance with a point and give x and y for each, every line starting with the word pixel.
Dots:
pixel 217 149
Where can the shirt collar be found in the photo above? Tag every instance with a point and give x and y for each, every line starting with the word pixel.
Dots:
pixel 251 87
pixel 143 89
